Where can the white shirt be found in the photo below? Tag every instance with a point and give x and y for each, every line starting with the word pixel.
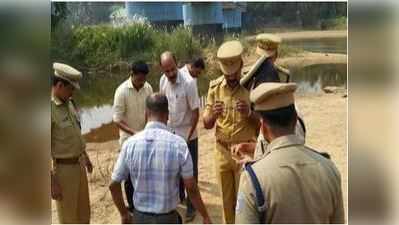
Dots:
pixel 129 105
pixel 183 99
pixel 184 70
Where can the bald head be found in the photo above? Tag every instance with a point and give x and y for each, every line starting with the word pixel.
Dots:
pixel 166 57
pixel 169 66
pixel 157 107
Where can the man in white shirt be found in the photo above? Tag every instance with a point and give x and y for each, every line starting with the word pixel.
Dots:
pixel 194 68
pixel 129 109
pixel 182 93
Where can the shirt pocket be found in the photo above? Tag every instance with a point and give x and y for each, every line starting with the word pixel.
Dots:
pixel 177 104
pixel 66 130
pixel 181 103
pixel 65 123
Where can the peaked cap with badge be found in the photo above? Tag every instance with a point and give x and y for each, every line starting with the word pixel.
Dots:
pixel 67 73
pixel 271 95
pixel 229 56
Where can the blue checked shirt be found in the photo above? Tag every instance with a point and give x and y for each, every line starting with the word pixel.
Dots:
pixel 155 160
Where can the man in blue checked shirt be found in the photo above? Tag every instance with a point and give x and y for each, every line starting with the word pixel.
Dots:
pixel 155 159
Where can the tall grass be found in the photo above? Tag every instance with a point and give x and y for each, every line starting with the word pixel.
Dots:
pixel 339 23
pixel 99 46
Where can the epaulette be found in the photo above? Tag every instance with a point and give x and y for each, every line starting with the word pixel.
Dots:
pixel 282 69
pixel 259 158
pixel 216 82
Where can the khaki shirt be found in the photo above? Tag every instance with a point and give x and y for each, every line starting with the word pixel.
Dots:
pixel 299 185
pixel 231 126
pixel 129 105
pixel 66 138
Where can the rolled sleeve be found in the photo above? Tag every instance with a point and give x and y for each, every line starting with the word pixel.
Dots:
pixel 210 100
pixel 121 171
pixel 186 163
pixel 192 95
pixel 119 106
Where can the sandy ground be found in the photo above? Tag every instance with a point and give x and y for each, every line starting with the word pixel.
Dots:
pixel 326 120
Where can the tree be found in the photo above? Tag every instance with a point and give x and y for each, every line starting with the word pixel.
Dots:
pixel 59 12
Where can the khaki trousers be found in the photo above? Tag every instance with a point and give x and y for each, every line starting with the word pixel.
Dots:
pixel 75 205
pixel 228 174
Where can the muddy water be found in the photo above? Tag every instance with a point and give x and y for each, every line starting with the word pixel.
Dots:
pixel 313 79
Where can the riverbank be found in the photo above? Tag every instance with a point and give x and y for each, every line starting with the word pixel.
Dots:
pixel 325 117
pixel 308 35
pixel 305 59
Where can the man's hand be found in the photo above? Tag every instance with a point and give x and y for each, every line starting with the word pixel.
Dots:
pixel 243 152
pixel 56 190
pixel 242 107
pixel 88 163
pixel 126 218
pixel 243 148
pixel 217 108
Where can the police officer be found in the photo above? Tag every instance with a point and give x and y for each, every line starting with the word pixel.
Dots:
pixel 264 70
pixel 292 183
pixel 69 186
pixel 228 109
pixel 268 44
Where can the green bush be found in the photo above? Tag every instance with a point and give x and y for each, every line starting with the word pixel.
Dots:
pixel 338 23
pixel 100 46
pixel 180 41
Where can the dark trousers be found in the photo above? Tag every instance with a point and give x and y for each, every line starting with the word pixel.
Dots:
pixel 152 218
pixel 193 148
pixel 129 193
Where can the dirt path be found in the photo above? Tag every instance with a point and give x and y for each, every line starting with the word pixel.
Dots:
pixel 325 117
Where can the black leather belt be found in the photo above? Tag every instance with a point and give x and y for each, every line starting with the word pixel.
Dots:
pixel 67 161
pixel 156 214
pixel 227 145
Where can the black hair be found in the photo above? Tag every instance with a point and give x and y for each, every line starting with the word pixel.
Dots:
pixel 157 103
pixel 281 117
pixel 139 67
pixel 55 80
pixel 198 62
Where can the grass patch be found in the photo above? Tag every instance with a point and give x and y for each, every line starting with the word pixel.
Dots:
pixel 339 23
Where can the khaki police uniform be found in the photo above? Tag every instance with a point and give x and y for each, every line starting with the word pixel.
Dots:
pixel 231 126
pixel 67 150
pixel 299 185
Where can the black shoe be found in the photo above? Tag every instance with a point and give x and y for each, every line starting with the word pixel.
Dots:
pixel 190 215
pixel 182 198
pixel 131 209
